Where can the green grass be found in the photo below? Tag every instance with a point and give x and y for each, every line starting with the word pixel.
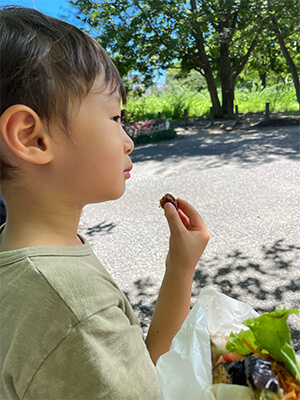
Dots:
pixel 282 98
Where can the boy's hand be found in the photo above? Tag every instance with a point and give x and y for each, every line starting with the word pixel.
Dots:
pixel 189 236
pixel 188 240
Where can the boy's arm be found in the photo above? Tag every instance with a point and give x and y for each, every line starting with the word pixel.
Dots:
pixel 188 240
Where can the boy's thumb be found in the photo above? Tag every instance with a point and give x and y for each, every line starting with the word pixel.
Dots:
pixel 172 217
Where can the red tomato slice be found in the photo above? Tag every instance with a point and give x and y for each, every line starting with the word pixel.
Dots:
pixel 230 357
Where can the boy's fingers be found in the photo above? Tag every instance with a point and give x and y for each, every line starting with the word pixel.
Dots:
pixel 194 218
pixel 185 220
pixel 172 216
pixel 186 217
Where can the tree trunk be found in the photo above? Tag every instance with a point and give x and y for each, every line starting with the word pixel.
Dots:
pixel 227 82
pixel 263 79
pixel 205 65
pixel 288 59
pixel 211 86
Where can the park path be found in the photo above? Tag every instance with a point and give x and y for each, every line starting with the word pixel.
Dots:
pixel 246 186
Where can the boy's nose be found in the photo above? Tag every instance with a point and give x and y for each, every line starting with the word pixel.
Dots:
pixel 128 143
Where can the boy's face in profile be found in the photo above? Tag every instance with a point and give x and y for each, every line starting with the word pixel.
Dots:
pixel 93 164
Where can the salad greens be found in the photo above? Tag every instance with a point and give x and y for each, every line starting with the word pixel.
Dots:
pixel 266 394
pixel 270 334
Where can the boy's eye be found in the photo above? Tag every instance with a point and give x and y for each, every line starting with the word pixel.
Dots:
pixel 117 118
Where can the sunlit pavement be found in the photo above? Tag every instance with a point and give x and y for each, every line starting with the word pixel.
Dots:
pixel 245 185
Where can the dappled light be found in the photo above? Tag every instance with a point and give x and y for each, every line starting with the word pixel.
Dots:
pixel 256 281
pixel 218 149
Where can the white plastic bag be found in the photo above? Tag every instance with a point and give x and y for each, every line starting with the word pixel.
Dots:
pixel 185 372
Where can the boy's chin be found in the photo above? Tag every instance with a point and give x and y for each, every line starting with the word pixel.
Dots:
pixel 114 196
pixel 119 195
pixel 109 197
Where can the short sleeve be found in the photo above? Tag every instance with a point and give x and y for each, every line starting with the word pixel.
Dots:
pixel 103 357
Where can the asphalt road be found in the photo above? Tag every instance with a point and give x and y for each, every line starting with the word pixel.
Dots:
pixel 246 186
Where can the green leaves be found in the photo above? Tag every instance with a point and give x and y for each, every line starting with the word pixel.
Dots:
pixel 268 333
pixel 150 35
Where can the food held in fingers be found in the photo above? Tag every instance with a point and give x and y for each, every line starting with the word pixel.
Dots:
pixel 168 198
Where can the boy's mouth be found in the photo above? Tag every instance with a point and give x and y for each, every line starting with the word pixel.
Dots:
pixel 126 172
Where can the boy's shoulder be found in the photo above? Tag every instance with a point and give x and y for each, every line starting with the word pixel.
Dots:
pixel 69 275
pixel 52 302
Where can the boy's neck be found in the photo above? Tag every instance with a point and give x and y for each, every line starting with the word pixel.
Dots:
pixel 40 226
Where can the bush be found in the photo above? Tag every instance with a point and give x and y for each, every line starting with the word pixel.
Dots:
pixel 155 137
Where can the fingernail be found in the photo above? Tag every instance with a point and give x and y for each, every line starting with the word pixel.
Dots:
pixel 168 205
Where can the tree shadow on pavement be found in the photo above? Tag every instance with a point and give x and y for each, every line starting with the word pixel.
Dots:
pixel 264 284
pixel 144 301
pixel 248 148
pixel 103 228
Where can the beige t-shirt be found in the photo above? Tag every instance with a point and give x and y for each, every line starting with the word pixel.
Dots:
pixel 67 331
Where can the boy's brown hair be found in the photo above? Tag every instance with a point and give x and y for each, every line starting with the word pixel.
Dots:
pixel 44 63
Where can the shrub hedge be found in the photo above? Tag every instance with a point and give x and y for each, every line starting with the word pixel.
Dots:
pixel 155 136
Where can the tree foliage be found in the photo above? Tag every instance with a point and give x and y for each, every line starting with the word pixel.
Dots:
pixel 214 37
pixel 285 25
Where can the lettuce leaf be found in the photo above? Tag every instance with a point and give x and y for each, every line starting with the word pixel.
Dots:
pixel 270 334
pixel 265 394
pixel 236 344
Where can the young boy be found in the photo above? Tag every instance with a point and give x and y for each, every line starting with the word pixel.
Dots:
pixel 67 331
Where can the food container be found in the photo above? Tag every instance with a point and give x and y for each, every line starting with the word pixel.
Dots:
pixel 185 372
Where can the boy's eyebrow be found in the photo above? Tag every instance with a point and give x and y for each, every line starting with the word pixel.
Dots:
pixel 114 96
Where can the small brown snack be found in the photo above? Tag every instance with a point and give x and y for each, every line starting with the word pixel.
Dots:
pixel 168 198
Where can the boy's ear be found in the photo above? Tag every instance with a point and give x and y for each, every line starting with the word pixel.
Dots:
pixel 24 134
